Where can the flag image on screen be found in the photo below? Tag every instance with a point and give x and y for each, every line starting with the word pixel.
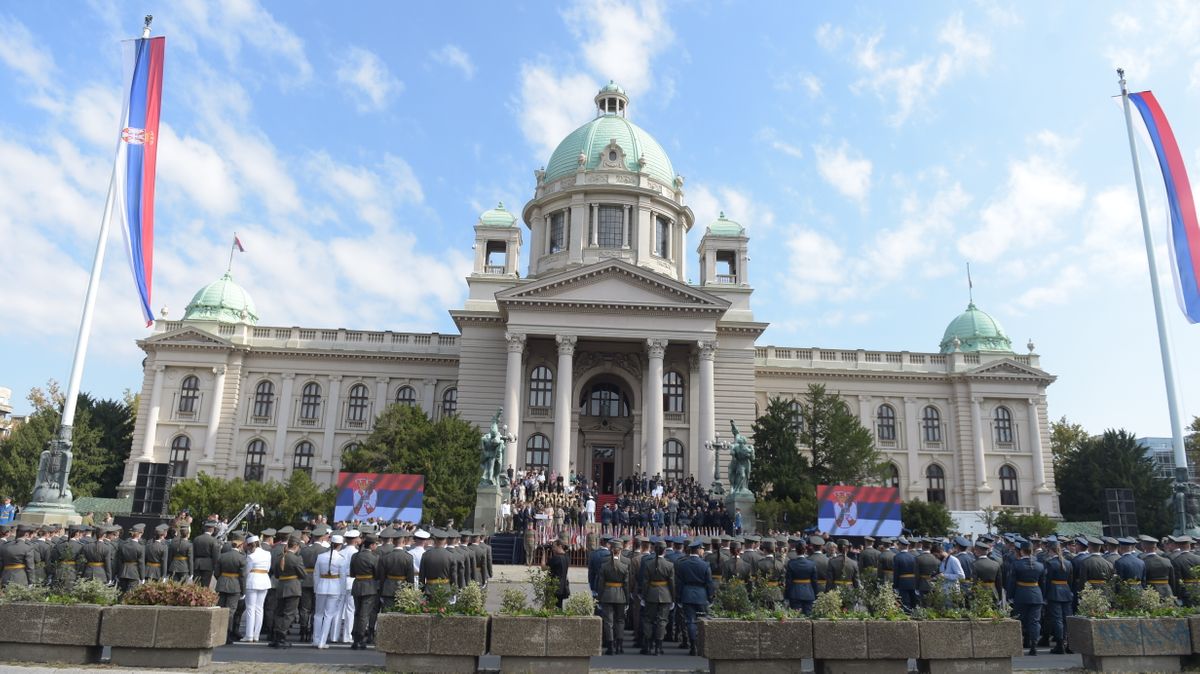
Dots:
pixel 384 496
pixel 845 510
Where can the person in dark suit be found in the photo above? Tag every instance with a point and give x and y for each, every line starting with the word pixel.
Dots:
pixel 288 571
pixel 613 597
pixel 559 564
pixel 1024 587
pixel 364 568
pixel 1057 592
pixel 205 551
pixel 694 589
pixel 230 572
pixel 800 580
pixel 904 575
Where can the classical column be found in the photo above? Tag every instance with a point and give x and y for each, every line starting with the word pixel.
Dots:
pixel 381 395
pixel 595 227
pixel 912 438
pixel 214 413
pixel 708 411
pixel 152 416
pixel 332 412
pixel 655 348
pixel 428 392
pixel 512 391
pixel 560 462
pixel 1035 445
pixel 626 217
pixel 283 416
pixel 980 461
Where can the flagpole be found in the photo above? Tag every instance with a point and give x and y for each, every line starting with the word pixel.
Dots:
pixel 232 247
pixel 1164 341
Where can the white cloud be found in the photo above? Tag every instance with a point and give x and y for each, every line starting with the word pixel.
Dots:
pixel 1038 195
pixel 22 53
pixel 829 37
pixel 707 203
pixel 845 170
pixel 552 105
pixel 234 24
pixel 818 265
pixel 771 137
pixel 368 79
pixel 453 56
pixel 373 196
pixel 95 111
pixel 197 170
pixel 916 243
pixel 1066 282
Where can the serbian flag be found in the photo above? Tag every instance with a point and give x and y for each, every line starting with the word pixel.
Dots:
pixel 1184 239
pixel 384 496
pixel 137 153
pixel 843 510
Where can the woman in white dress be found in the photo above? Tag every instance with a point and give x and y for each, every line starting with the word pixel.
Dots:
pixel 258 581
pixel 329 584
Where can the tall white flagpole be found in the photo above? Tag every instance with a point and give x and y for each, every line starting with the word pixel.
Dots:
pixel 1164 340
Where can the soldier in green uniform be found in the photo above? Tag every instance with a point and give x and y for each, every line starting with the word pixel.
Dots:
pixel 1187 585
pixel 869 557
pixel 614 595
pixel 887 553
pixel 64 558
pixel 230 572
pixel 131 559
pixel 768 575
pixel 1160 573
pixel 17 559
pixel 204 552
pixel 156 554
pixel 820 559
pixel 927 567
pixel 288 571
pixel 364 568
pixel 437 564
pixel 641 552
pixel 180 556
pixel 843 571
pixel 735 566
pixel 398 570
pixel 986 570
pixel 308 599
pixel 94 559
pixel 657 583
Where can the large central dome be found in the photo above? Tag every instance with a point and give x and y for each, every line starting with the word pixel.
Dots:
pixel 611 125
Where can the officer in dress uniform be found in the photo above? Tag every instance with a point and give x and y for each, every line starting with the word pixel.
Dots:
pixel 398 571
pixel 869 557
pixel 1160 573
pixel 962 552
pixel 308 553
pixel 204 553
pixel 437 565
pixel 927 567
pixel 1187 586
pixel 800 581
pixel 275 543
pixel 1058 594
pixel 364 568
pixel 181 556
pixel 596 560
pixel 986 569
pixel 735 566
pixel 95 559
pixel 694 589
pixel 230 572
pixel 614 596
pixel 904 575
pixel 641 552
pixel 131 559
pixel 716 560
pixel 1129 567
pixel 843 571
pixel 288 571
pixel 818 557
pixel 1025 589
pixel 657 583
pixel 64 558
pixel 17 559
pixel 156 554
pixel 768 575
pixel 1094 569
pixel 330 583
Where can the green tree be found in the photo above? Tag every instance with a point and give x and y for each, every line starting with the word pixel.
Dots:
pixel 781 471
pixel 1064 439
pixel 1191 442
pixel 1113 460
pixel 446 452
pixel 1008 521
pixel 926 518
pixel 843 450
pixel 293 502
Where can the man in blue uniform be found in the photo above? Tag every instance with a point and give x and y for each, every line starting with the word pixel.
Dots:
pixel 800 578
pixel 1058 593
pixel 904 575
pixel 693 589
pixel 1024 588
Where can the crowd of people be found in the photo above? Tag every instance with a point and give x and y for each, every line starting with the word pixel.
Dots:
pixel 332 581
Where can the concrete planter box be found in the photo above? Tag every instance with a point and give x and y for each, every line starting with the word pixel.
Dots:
pixel 840 647
pixel 968 645
pixel 163 636
pixel 429 643
pixel 759 645
pixel 51 633
pixel 560 644
pixel 1130 644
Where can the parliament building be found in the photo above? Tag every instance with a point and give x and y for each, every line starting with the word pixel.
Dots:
pixel 605 359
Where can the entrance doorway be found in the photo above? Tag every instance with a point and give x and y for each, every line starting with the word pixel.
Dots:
pixel 603 471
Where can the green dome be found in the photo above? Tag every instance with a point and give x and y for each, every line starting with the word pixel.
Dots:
pixel 497 217
pixel 726 227
pixel 612 88
pixel 976 331
pixel 591 138
pixel 224 301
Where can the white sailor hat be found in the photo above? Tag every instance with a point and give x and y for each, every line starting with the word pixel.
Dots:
pixel 353 533
pixel 336 539
pixel 422 534
pixel 252 538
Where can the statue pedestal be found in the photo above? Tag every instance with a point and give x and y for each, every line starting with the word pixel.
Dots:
pixel 743 501
pixel 49 513
pixel 487 507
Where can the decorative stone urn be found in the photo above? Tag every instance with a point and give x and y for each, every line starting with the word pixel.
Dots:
pixel 163 636
pixel 55 633
pixel 764 645
pixel 1131 644
pixel 561 644
pixel 431 643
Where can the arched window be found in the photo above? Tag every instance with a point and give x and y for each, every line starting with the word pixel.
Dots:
pixel 1008 486
pixel 673 392
pixel 256 454
pixel 181 446
pixel 449 402
pixel 356 405
pixel 797 410
pixel 885 422
pixel 931 424
pixel 893 479
pixel 406 395
pixel 609 225
pixel 302 462
pixel 537 451
pixel 673 459
pixel 541 387
pixel 604 400
pixel 189 394
pixel 310 401
pixel 1004 426
pixel 935 477
pixel 264 399
pixel 350 447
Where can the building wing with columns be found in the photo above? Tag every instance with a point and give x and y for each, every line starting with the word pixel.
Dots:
pixel 606 360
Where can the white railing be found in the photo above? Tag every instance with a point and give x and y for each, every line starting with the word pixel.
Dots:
pixel 894 361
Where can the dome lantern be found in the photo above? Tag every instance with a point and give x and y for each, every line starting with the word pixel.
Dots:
pixel 611 100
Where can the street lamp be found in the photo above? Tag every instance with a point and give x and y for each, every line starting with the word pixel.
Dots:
pixel 715 446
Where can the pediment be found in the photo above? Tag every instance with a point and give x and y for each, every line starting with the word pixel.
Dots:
pixel 613 282
pixel 188 336
pixel 1008 368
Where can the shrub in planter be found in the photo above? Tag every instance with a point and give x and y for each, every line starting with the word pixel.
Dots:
pixel 543 637
pixel 1119 628
pixel 431 633
pixel 165 624
pixel 54 624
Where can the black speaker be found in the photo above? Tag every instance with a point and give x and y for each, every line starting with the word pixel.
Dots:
pixel 150 490
pixel 1120 515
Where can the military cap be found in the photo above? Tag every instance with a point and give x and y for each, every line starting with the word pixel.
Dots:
pixel 235 537
pixel 1109 540
pixel 868 539
pixel 451 533
pixel 162 528
pixel 422 534
pixel 695 543
pixel 438 534
pixel 604 538
pixel 370 539
pixel 962 542
pixel 751 538
pixel 1126 540
pixel 294 539
pixel 1081 540
pixel 286 531
pixel 843 542
pixel 1092 540
pixel 656 540
pixel 210 524
pixel 268 532
pixel 816 540
pixel 981 544
pixel 1024 544
pixel 902 540
pixel 1147 539
pixel 320 530
pixel 139 527
pixel 465 533
pixel 389 533
pixel 1184 539
pixel 625 538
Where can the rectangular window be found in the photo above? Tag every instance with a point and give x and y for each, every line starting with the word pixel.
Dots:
pixel 610 222
pixel 558 232
pixel 662 236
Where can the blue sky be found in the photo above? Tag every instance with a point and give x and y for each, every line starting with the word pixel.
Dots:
pixel 870 149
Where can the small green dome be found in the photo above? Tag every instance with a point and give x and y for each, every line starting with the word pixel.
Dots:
pixel 612 88
pixel 224 301
pixel 723 226
pixel 592 138
pixel 497 217
pixel 975 331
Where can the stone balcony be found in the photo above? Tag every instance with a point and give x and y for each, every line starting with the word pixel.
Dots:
pixel 815 358
pixel 338 339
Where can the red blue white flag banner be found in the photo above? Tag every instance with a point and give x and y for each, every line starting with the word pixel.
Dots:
pixel 382 496
pixel 137 153
pixel 844 510
pixel 1184 238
